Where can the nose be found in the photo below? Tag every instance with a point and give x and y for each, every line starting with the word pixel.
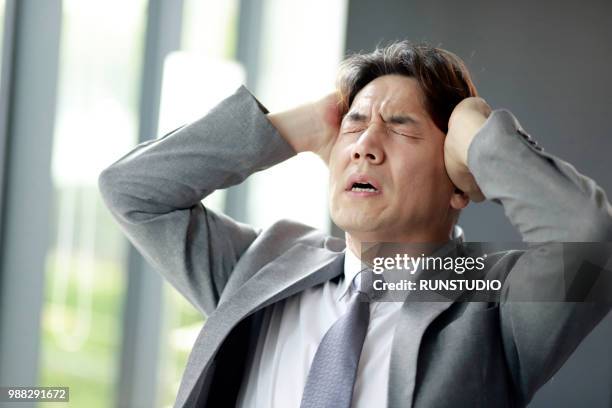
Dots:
pixel 368 146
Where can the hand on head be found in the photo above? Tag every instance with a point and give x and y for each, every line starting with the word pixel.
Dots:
pixel 466 120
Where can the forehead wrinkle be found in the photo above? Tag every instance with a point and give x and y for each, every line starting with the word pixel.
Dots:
pixel 390 104
pixel 398 115
pixel 361 109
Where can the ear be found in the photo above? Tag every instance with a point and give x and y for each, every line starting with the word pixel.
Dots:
pixel 459 199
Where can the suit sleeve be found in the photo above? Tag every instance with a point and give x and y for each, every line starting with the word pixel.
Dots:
pixel 548 201
pixel 154 193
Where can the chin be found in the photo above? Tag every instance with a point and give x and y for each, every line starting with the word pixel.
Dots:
pixel 357 223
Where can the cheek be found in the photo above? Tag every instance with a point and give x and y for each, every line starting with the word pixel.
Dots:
pixel 337 163
pixel 422 175
pixel 441 184
pixel 334 175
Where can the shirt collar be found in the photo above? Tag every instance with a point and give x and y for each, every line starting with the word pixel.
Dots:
pixel 352 267
pixel 457 235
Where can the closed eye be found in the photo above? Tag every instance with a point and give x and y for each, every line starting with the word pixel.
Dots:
pixel 352 130
pixel 405 134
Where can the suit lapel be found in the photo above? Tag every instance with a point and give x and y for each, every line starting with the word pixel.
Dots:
pixel 299 268
pixel 415 317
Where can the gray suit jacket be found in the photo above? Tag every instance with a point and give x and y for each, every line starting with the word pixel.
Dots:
pixel 444 354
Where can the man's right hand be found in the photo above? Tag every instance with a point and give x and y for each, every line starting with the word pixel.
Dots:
pixel 312 127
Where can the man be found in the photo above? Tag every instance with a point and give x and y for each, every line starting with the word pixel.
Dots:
pixel 408 144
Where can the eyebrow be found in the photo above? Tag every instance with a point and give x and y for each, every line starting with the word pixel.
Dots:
pixel 394 119
pixel 356 117
pixel 402 120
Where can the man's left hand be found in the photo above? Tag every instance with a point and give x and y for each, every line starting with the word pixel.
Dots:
pixel 465 121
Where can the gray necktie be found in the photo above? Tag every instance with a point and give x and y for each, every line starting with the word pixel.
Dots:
pixel 332 374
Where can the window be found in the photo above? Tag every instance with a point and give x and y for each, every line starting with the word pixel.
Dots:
pixel 298 64
pixel 2 10
pixel 100 65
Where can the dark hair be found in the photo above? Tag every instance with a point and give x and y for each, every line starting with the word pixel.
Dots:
pixel 441 75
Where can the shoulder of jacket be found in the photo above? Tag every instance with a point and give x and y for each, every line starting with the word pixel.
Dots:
pixel 292 232
pixel 281 236
pixel 286 233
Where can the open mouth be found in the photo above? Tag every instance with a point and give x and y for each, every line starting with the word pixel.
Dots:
pixel 364 184
pixel 363 187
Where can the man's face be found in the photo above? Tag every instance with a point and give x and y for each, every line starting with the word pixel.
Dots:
pixel 387 176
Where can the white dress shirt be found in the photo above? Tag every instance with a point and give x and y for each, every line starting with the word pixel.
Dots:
pixel 293 328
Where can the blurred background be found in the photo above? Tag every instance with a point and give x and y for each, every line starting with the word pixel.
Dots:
pixel 83 81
